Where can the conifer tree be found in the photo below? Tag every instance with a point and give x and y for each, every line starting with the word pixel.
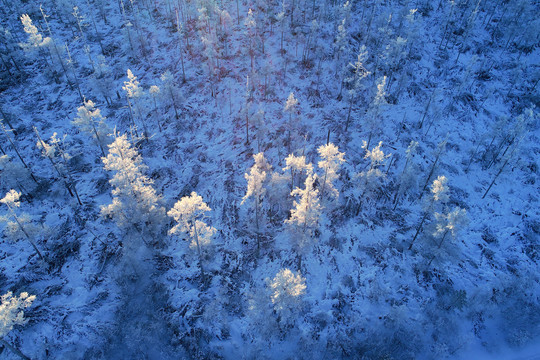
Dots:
pixel 257 179
pixel 297 166
pixel 15 148
pixel 330 164
pixel 102 79
pixel 305 214
pixel 135 203
pixel 287 290
pixel 290 108
pixel 371 179
pixel 11 315
pixel 14 175
pixel 355 81
pixel 251 33
pixel 440 149
pixel 55 153
pixel 379 101
pixel 171 90
pixel 449 223
pixel 21 226
pixel 408 176
pixel 439 191
pixel 90 120
pixel 189 213
pixel 134 92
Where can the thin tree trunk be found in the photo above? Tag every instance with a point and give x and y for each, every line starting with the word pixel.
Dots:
pixel 14 350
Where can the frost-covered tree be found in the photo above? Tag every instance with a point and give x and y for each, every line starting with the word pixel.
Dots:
pixel 290 108
pixel 408 176
pixel 330 165
pixel 287 290
pixel 371 179
pixel 154 91
pixel 341 53
pixel 189 213
pixel 35 40
pixel 169 87
pixel 12 314
pixel 439 191
pixel 297 166
pixel 440 149
pixel 102 79
pixel 305 213
pixel 311 42
pixel 251 34
pixel 54 151
pixel 181 34
pixel 257 178
pixel 449 223
pixel 135 203
pixel 134 93
pixel 16 149
pixel 18 226
pixel 356 81
pixel 14 175
pixel 394 55
pixel 10 52
pixel 374 111
pixel 90 120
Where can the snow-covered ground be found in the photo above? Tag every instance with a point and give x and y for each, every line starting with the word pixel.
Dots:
pixel 461 80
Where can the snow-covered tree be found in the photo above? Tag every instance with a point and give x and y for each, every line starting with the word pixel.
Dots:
pixel 102 79
pixel 90 120
pixel 297 167
pixel 449 223
pixel 287 292
pixel 356 81
pixel 35 40
pixel 14 175
pixel 439 191
pixel 12 314
pixel 305 214
pixel 169 87
pixel 440 149
pixel 290 108
pixel 408 176
pixel 134 93
pixel 12 311
pixel 16 149
pixel 251 33
pixel 371 179
pixel 257 179
pixel 330 165
pixel 54 151
pixel 18 226
pixel 378 103
pixel 189 213
pixel 135 203
pixel 394 55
